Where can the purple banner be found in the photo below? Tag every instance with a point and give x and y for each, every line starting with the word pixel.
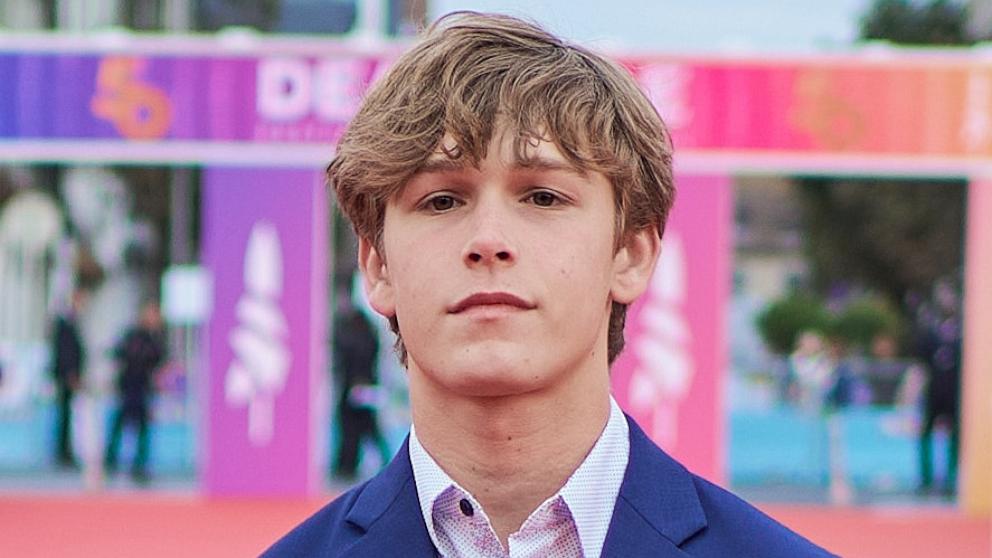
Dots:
pixel 265 418
pixel 240 99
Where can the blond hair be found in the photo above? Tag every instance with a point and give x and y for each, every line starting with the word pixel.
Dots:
pixel 472 73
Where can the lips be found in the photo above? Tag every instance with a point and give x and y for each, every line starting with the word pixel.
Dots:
pixel 490 299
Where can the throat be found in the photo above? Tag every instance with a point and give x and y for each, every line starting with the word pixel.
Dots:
pixel 511 470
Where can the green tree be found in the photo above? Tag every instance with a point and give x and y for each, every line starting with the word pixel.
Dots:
pixel 889 235
pixel 909 22
pixel 861 321
pixel 783 321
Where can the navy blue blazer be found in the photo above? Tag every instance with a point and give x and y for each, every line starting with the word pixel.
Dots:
pixel 663 511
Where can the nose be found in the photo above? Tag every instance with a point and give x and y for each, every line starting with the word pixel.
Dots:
pixel 488 243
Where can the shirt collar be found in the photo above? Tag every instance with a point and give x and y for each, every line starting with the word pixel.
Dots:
pixel 430 479
pixel 590 492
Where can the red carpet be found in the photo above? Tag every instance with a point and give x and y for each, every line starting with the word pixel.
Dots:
pixel 149 526
pixel 154 525
pixel 890 532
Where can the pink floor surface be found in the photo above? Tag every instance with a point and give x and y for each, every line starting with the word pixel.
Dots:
pixel 152 525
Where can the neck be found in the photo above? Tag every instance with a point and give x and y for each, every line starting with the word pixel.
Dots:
pixel 511 452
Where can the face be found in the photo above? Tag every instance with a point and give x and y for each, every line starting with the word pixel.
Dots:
pixel 151 317
pixel 501 276
pixel 78 301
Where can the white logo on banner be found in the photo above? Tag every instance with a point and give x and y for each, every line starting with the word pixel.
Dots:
pixel 258 373
pixel 976 130
pixel 668 87
pixel 665 368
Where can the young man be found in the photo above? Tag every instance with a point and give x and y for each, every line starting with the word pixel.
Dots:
pixel 509 191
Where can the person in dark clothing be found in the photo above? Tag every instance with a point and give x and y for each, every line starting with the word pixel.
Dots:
pixel 356 348
pixel 940 348
pixel 68 356
pixel 139 354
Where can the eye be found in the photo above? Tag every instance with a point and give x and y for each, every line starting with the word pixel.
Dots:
pixel 441 203
pixel 544 198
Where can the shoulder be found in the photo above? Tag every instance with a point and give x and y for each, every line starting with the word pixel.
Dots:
pixel 698 516
pixel 737 528
pixel 325 533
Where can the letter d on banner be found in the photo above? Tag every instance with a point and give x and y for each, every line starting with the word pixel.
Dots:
pixel 283 88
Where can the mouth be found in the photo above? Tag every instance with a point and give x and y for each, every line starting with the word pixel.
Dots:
pixel 490 299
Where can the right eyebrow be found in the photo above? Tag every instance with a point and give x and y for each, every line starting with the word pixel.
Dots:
pixel 441 166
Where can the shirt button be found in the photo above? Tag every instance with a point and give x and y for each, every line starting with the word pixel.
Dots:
pixel 466 507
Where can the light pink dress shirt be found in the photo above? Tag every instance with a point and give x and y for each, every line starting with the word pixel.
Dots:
pixel 572 523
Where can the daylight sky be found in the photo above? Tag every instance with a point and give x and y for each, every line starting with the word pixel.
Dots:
pixel 688 26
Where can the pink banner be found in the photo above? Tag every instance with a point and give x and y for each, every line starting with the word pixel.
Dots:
pixel 900 107
pixel 670 377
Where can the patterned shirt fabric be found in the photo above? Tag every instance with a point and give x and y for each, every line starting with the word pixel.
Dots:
pixel 572 523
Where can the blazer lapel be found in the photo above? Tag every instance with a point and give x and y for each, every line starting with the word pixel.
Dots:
pixel 388 513
pixel 658 508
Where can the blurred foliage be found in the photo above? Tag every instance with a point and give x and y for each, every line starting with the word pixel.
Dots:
pixel 7 187
pixel 857 323
pixel 263 15
pixel 862 320
pixel 784 320
pixel 890 236
pixel 910 22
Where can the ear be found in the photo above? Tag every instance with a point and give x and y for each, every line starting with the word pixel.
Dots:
pixel 633 265
pixel 375 275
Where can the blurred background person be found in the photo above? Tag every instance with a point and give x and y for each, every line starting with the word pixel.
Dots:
pixel 940 349
pixel 356 349
pixel 810 372
pixel 840 395
pixel 139 354
pixel 68 357
pixel 810 369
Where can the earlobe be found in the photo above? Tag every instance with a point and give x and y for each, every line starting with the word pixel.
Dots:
pixel 375 276
pixel 633 265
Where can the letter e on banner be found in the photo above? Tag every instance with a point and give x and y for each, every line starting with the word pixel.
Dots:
pixel 339 87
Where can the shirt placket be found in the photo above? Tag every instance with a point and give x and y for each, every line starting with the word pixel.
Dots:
pixel 466 528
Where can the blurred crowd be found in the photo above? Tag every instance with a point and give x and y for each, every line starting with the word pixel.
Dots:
pixel 825 375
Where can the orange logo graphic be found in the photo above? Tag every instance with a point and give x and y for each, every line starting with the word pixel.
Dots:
pixel 136 109
pixel 832 121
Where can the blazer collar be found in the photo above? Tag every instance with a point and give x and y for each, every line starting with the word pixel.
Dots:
pixel 388 513
pixel 658 508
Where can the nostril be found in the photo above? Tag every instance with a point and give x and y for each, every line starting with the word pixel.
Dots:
pixel 475 257
pixel 503 256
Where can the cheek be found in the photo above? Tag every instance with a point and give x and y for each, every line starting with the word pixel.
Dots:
pixel 585 266
pixel 416 281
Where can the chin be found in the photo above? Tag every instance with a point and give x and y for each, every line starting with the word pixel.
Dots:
pixel 490 384
pixel 488 374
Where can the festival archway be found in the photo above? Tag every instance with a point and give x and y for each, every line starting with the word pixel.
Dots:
pixel 263 115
